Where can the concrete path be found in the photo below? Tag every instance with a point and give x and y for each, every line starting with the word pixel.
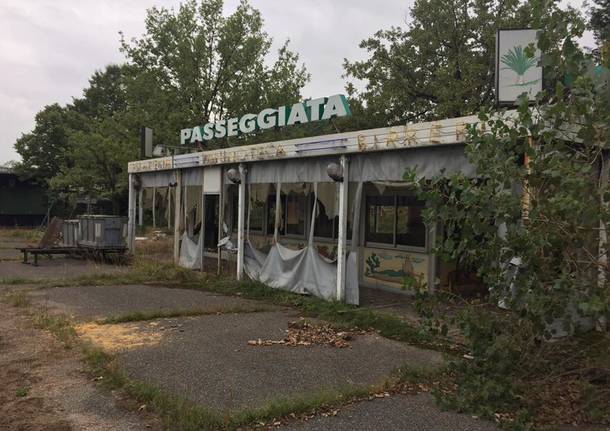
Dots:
pixel 209 360
pixel 400 412
pixel 97 302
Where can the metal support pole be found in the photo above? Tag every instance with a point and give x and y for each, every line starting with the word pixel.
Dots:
pixel 202 233
pixel 241 208
pixel 154 208
pixel 186 207
pixel 221 218
pixel 432 258
pixel 342 237
pixel 177 213
pixel 169 207
pixel 141 207
pixel 278 214
pixel 603 233
pixel 131 216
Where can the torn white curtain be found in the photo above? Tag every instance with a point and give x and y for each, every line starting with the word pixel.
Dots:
pixel 192 177
pixel 299 271
pixel 157 179
pixel 352 283
pixel 427 162
pixel 190 252
pixel 365 166
pixel 192 201
pixel 328 194
pixel 302 271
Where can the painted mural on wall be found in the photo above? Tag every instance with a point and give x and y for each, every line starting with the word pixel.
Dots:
pixel 396 268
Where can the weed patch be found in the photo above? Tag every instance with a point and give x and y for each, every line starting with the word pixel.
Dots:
pixel 22 392
pixel 13 281
pixel 163 314
pixel 17 299
pixel 59 325
pixel 26 234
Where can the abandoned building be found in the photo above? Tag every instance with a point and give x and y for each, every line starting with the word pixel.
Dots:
pixel 320 215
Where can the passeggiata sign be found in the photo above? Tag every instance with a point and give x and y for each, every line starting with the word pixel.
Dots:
pixel 308 111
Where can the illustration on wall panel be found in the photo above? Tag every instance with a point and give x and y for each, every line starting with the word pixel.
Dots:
pixel 406 269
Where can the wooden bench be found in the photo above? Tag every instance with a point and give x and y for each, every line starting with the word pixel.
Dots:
pixel 51 244
pixel 35 251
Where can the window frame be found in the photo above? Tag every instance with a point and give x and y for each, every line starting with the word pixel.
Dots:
pixel 262 229
pixel 368 192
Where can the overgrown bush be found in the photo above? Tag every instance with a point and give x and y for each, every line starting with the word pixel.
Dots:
pixel 532 223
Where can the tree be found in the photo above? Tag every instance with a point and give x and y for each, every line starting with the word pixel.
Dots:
pixel 533 224
pixel 102 140
pixel 194 66
pixel 600 20
pixel 106 94
pixel 45 149
pixel 600 23
pixel 441 66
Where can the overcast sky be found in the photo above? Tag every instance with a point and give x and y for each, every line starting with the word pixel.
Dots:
pixel 50 48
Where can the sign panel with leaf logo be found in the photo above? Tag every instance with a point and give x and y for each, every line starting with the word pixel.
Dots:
pixel 517 65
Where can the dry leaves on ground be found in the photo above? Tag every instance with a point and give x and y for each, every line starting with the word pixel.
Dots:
pixel 303 333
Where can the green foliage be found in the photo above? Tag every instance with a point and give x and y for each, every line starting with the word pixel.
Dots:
pixel 194 65
pixel 529 224
pixel 441 66
pixel 45 148
pixel 372 264
pixel 600 20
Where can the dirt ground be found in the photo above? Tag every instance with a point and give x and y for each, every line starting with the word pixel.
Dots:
pixel 45 387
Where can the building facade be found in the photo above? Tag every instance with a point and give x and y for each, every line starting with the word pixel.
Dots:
pixel 331 211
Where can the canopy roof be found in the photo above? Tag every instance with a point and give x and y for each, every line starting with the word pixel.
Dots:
pixel 388 139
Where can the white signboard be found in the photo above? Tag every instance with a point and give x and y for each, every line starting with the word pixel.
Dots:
pixel 516 71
